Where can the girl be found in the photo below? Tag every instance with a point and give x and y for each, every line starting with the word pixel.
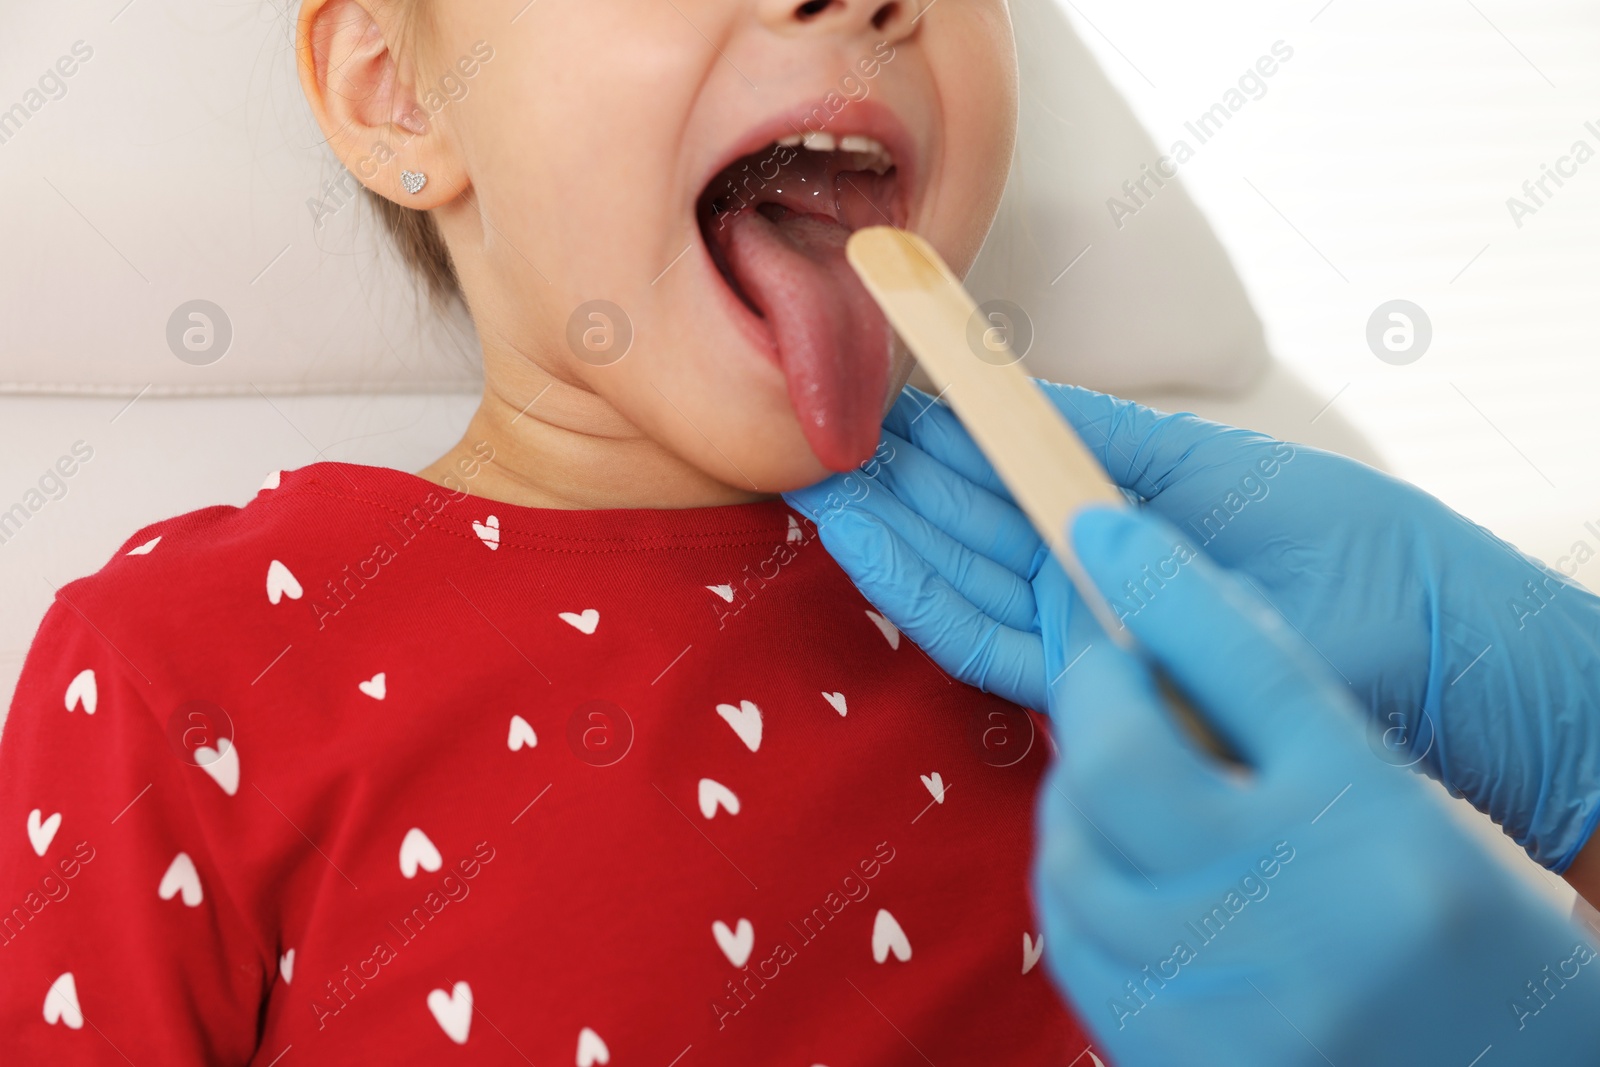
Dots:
pixel 575 746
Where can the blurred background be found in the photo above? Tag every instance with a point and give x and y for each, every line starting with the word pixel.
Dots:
pixel 1378 166
pixel 157 160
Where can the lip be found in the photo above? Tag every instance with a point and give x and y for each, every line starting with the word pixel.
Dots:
pixel 867 117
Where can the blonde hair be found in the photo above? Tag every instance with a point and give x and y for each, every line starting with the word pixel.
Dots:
pixel 416 237
pixel 415 234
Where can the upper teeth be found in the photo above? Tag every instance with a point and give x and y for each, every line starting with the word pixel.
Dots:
pixel 877 157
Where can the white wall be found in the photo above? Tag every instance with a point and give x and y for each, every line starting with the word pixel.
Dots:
pixel 1391 142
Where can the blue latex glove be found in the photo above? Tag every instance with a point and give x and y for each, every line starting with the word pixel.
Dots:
pixel 1323 909
pixel 1476 663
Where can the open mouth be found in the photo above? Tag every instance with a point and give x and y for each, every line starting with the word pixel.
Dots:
pixel 775 222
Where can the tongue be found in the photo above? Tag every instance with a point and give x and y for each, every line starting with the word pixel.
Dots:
pixel 833 342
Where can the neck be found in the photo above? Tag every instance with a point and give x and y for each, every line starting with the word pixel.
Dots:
pixel 553 444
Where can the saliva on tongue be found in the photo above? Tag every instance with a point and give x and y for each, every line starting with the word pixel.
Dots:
pixel 834 343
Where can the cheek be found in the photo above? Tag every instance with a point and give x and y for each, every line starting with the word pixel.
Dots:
pixel 564 154
pixel 973 61
pixel 900 367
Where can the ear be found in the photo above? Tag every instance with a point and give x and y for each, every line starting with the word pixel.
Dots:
pixel 362 91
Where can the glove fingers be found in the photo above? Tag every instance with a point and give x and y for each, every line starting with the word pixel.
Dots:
pixel 1257 683
pixel 989 525
pixel 1088 891
pixel 1115 431
pixel 823 500
pixel 993 588
pixel 1125 764
pixel 1011 665
pixel 1142 449
pixel 972 646
pixel 982 545
pixel 933 427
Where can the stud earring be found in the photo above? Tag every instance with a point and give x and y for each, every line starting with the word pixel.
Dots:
pixel 413 180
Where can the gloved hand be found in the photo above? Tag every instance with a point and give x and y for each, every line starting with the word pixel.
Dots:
pixel 1476 663
pixel 1323 908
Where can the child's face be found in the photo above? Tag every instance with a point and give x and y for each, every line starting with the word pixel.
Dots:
pixel 624 151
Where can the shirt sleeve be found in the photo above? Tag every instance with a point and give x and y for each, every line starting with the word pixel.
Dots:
pixel 119 941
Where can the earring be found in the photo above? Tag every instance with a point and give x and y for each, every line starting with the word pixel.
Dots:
pixel 413 180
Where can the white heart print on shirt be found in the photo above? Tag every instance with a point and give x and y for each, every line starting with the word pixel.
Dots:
pixel 221 763
pixel 286 966
pixel 583 621
pixel 745 720
pixel 61 1003
pixel 891 632
pixel 146 548
pixel 887 936
pixel 735 944
pixel 836 700
pixel 281 583
pixel 42 831
pixel 488 532
pixel 521 735
pixel 1031 951
pixel 453 1011
pixel 376 687
pixel 181 877
pixel 714 793
pixel 591 1050
pixel 723 591
pixel 82 691
pixel 417 851
pixel 935 786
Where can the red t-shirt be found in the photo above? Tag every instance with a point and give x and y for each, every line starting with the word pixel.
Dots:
pixel 367 772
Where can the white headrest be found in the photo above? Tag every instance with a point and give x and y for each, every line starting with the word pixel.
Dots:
pixel 167 156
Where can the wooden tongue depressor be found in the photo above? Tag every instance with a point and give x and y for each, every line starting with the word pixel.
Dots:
pixel 1044 464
